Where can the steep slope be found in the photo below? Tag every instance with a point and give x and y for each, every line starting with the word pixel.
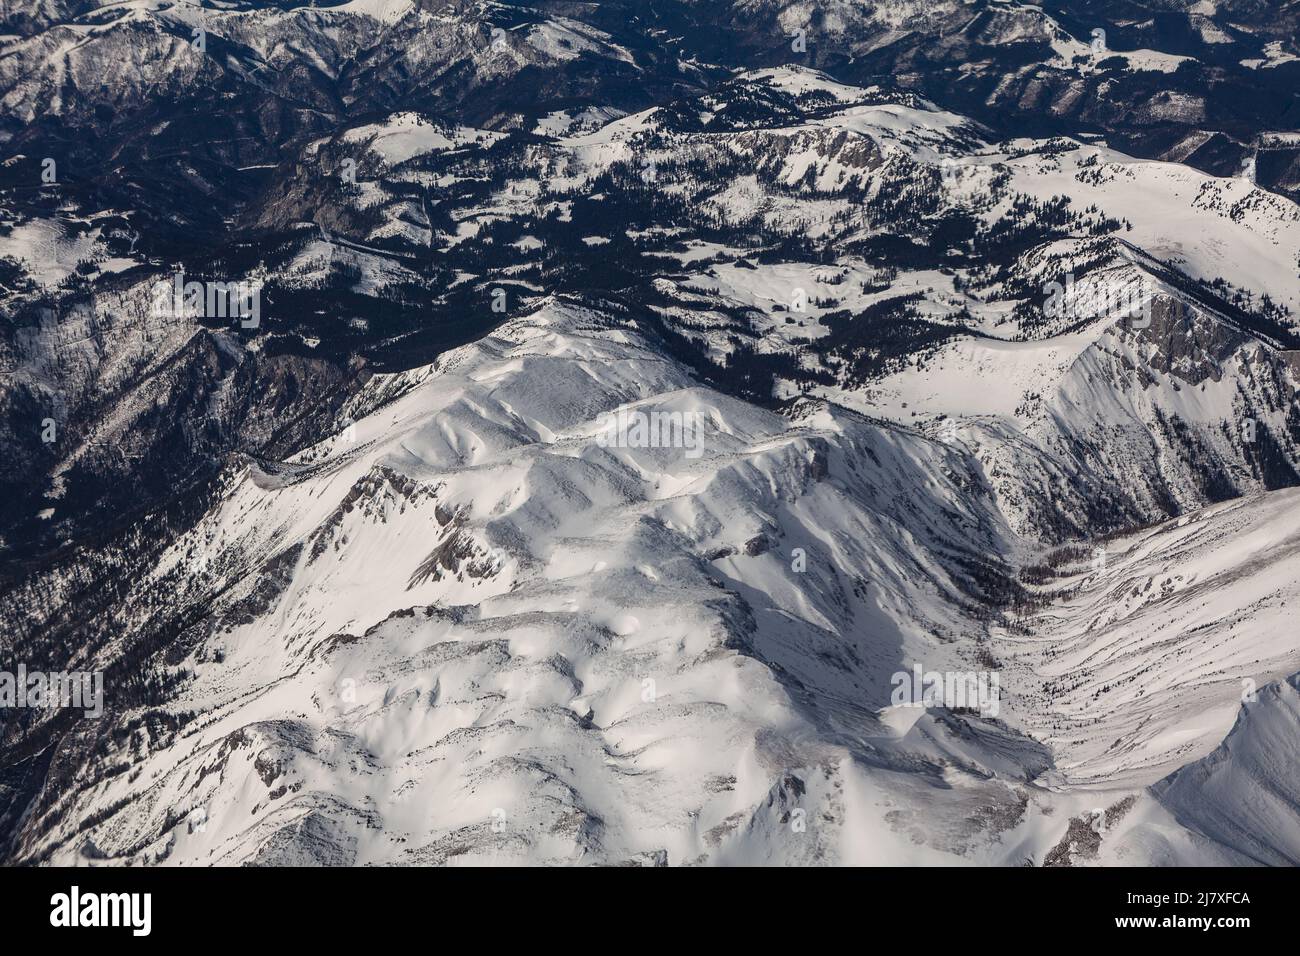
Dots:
pixel 1145 648
pixel 1244 794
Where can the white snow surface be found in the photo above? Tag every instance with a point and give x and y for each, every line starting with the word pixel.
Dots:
pixel 463 630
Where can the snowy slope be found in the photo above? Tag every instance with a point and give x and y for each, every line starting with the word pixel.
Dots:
pixel 1244 795
pixel 1146 649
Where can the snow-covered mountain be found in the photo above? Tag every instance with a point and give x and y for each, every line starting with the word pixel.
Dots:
pixel 632 419
pixel 464 629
